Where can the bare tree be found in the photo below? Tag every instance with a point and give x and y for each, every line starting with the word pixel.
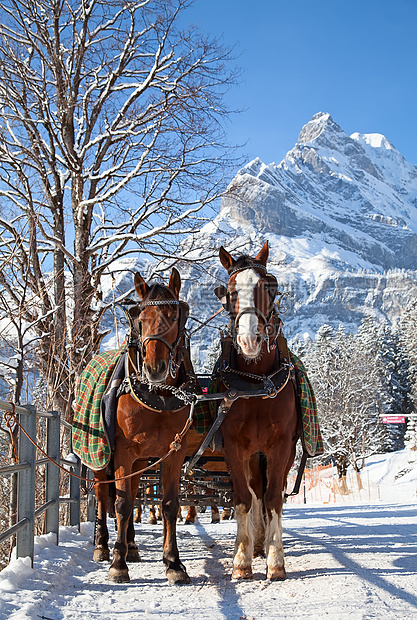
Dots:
pixel 347 382
pixel 111 142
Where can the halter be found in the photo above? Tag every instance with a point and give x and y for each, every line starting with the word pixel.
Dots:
pixel 173 364
pixel 232 270
pixel 136 340
pixel 249 309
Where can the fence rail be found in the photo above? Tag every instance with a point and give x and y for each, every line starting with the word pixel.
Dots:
pixel 24 528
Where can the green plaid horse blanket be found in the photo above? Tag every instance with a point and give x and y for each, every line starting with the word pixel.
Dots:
pixel 313 441
pixel 91 441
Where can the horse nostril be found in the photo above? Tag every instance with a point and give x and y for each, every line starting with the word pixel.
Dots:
pixel 258 338
pixel 162 366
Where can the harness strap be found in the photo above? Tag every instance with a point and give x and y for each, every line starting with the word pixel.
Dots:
pixel 222 412
pixel 300 473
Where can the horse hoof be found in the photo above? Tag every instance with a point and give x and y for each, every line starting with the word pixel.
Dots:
pixel 177 577
pixel 133 555
pixel 119 575
pixel 189 522
pixel 215 519
pixel 276 574
pixel 242 573
pixel 152 521
pixel 101 554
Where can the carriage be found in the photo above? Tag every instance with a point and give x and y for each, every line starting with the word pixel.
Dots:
pixel 254 397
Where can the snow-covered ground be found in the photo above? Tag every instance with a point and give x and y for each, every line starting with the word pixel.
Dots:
pixel 344 560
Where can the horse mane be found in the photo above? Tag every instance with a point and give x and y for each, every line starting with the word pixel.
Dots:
pixel 245 262
pixel 159 291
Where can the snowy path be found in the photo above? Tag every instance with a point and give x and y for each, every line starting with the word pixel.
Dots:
pixel 356 562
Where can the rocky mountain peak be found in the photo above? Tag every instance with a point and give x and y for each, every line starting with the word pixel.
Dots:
pixel 321 123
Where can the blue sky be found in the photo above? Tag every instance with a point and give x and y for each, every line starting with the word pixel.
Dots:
pixel 356 59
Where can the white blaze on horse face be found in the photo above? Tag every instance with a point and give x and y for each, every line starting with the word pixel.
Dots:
pixel 247 328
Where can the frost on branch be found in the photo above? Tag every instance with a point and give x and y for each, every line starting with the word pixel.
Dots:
pixel 111 141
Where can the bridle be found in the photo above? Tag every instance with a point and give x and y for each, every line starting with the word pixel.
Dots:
pixel 174 363
pixel 224 297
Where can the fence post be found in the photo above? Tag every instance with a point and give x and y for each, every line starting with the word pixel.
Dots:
pixel 26 486
pixel 75 494
pixel 52 475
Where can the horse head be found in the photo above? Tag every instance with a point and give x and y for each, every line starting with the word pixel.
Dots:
pixel 249 299
pixel 160 323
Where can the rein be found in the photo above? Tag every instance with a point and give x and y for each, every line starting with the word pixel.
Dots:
pixel 175 445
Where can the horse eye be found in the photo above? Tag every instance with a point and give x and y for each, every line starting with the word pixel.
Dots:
pixel 266 287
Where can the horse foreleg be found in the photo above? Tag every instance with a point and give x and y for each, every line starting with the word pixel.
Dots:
pixel 138 514
pixel 273 504
pixel 152 515
pixel 215 514
pixel 191 515
pixel 101 551
pixel 119 572
pixel 243 553
pixel 192 510
pixel 175 570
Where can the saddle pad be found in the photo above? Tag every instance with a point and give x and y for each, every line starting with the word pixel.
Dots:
pixel 312 438
pixel 90 441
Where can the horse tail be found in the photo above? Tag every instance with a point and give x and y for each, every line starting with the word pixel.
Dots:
pixel 263 466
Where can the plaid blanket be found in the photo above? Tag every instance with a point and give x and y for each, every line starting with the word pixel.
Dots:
pixel 93 424
pixel 92 436
pixel 312 439
pixel 90 440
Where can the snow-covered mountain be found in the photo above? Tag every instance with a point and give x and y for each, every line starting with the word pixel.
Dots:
pixel 340 215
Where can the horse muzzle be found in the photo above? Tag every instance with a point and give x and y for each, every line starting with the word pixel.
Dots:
pixel 250 345
pixel 156 372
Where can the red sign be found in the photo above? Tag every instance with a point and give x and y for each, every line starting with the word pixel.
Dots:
pixel 393 419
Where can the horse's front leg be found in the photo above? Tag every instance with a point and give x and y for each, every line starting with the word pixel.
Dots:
pixel 175 570
pixel 244 544
pixel 274 496
pixel 119 572
pixel 101 551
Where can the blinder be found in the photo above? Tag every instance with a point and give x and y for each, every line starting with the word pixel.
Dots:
pixel 184 311
pixel 223 294
pixel 272 287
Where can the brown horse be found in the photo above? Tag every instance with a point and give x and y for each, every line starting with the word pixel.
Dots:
pixel 257 431
pixel 148 425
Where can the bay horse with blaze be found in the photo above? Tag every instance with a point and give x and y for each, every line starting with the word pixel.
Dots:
pixel 259 434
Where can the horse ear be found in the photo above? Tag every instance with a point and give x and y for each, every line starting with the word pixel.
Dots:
pixel 175 282
pixel 225 258
pixel 263 254
pixel 140 285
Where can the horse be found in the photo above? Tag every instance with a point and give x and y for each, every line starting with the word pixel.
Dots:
pixel 259 434
pixel 150 422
